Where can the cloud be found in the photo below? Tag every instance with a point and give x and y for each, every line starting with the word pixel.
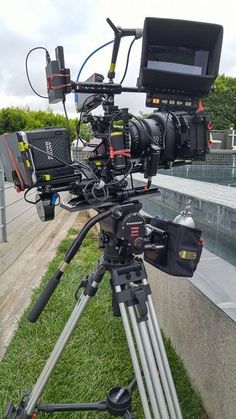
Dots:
pixel 81 27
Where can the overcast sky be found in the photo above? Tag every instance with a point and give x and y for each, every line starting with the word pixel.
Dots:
pixel 80 26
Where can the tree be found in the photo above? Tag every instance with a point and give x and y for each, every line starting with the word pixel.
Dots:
pixel 221 103
pixel 13 119
pixel 23 119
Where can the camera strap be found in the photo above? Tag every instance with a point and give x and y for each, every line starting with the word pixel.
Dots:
pixel 57 86
pixel 113 153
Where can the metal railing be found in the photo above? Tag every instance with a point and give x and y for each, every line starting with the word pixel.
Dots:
pixel 14 202
pixel 78 154
pixel 4 206
pixel 3 223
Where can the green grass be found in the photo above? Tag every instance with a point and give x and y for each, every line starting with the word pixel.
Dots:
pixel 96 357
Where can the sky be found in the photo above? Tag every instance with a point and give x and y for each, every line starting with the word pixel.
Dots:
pixel 80 26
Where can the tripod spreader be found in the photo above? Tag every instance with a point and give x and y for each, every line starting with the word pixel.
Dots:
pixel 118 403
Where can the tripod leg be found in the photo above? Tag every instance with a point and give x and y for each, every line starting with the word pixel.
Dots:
pixel 134 358
pixel 162 361
pixel 161 368
pixel 63 339
pixel 153 369
pixel 146 371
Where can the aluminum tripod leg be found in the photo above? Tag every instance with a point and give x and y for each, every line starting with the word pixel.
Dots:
pixel 153 370
pixel 160 390
pixel 161 369
pixel 162 361
pixel 57 351
pixel 143 360
pixel 134 358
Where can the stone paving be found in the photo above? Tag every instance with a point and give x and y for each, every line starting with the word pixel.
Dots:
pixel 219 194
pixel 23 261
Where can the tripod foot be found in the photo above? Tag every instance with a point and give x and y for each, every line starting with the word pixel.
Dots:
pixel 119 401
pixel 12 412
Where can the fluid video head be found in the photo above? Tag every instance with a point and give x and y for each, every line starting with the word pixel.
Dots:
pixel 179 63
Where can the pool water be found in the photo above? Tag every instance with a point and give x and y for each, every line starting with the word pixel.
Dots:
pixel 221 174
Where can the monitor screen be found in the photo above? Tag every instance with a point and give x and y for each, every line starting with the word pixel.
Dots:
pixel 88 101
pixel 177 59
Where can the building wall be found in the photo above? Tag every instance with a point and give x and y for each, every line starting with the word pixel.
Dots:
pixel 203 336
pixel 225 138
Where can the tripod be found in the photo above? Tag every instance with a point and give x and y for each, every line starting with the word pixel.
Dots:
pixel 122 237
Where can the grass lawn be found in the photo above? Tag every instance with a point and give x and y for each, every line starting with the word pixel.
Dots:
pixel 96 357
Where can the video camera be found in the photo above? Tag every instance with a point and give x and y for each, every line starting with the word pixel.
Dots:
pixel 179 63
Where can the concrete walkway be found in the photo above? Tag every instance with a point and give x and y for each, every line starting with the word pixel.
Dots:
pixel 219 194
pixel 23 261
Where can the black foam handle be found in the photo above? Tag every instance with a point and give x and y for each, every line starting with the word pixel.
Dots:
pixel 54 281
pixel 44 297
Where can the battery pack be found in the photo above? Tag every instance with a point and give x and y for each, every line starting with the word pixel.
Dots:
pixel 31 157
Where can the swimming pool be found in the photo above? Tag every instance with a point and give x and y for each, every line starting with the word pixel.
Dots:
pixel 218 173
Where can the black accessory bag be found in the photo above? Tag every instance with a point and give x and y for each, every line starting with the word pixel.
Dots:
pixel 182 250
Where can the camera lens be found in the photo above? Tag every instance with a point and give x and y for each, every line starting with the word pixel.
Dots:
pixel 157 129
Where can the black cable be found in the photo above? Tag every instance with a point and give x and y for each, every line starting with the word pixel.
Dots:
pixel 35 202
pixel 83 173
pixel 66 115
pixel 90 55
pixel 27 71
pixel 51 155
pixel 59 200
pixel 80 119
pixel 165 130
pixel 116 182
pixel 131 181
pixel 87 167
pixel 105 193
pixel 110 125
pixel 97 200
pixel 27 200
pixel 85 144
pixel 83 165
pixel 127 60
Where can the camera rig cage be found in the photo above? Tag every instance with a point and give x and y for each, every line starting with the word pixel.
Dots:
pixel 179 62
pixel 178 67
